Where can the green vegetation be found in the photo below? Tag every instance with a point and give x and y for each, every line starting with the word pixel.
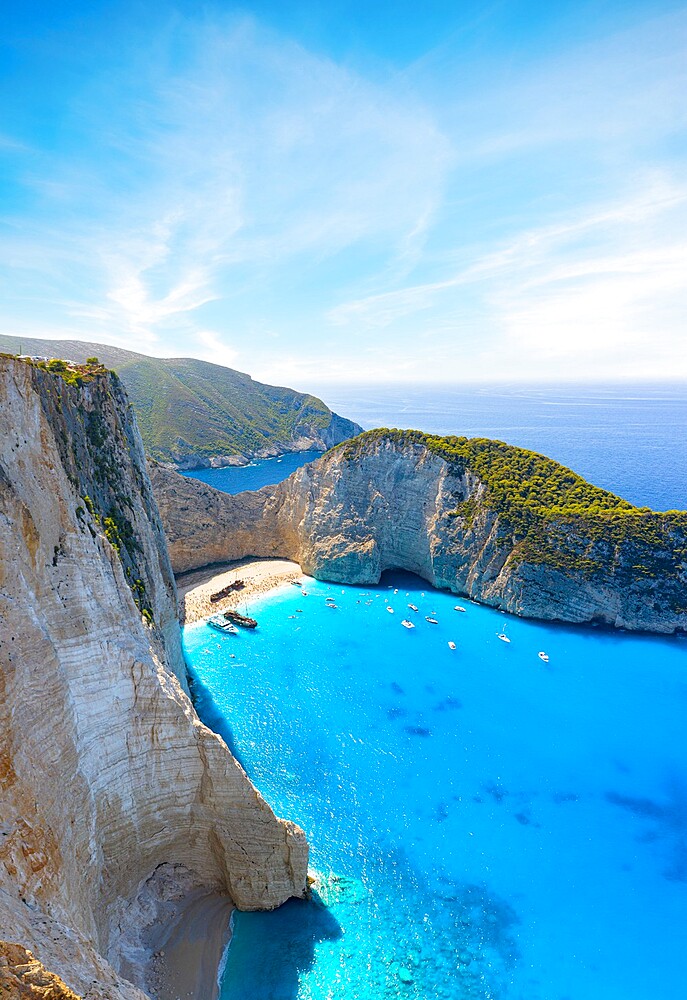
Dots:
pixel 548 513
pixel 187 408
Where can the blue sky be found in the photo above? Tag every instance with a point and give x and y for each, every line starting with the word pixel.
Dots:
pixel 317 192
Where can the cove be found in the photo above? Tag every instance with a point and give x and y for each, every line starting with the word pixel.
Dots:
pixel 483 824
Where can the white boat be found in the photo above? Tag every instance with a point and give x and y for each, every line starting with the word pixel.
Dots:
pixel 330 604
pixel 407 624
pixel 412 607
pixel 390 610
pixel 432 621
pixel 459 607
pixel 502 636
pixel 396 591
pixel 451 645
pixel 543 656
pixel 220 623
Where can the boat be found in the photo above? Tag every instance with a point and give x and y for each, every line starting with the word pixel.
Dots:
pixel 225 591
pixel 407 624
pixel 432 621
pixel 296 583
pixel 396 591
pixel 238 619
pixel 304 593
pixel 451 645
pixel 543 656
pixel 330 604
pixel 502 636
pixel 220 623
pixel 459 607
pixel 390 610
pixel 412 607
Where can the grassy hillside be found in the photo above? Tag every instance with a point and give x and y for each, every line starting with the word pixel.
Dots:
pixel 191 411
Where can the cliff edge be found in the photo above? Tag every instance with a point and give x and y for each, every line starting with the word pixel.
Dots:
pixel 107 776
pixel 500 524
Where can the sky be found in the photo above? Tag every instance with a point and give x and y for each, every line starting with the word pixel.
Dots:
pixel 319 192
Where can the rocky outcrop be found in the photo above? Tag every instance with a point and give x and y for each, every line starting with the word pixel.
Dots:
pixel 467 516
pixel 106 773
pixel 22 977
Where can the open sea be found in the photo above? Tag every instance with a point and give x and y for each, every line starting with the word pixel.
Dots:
pixel 483 824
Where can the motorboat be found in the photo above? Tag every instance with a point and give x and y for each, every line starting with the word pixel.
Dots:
pixel 220 623
pixel 432 621
pixel 407 624
pixel 543 656
pixel 451 645
pixel 459 607
pixel 390 610
pixel 502 636
pixel 412 607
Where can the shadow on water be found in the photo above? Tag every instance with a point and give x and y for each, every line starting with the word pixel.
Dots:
pixel 209 714
pixel 270 951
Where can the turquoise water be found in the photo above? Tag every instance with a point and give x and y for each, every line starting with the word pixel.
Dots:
pixel 255 475
pixel 484 824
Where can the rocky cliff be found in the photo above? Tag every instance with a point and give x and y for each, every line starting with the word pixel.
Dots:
pixel 500 524
pixel 106 774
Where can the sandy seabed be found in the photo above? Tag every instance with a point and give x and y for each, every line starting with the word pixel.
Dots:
pixel 259 576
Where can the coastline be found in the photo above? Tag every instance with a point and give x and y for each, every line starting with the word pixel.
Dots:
pixel 260 576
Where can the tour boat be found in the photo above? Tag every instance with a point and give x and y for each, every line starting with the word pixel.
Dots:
pixel 459 607
pixel 222 625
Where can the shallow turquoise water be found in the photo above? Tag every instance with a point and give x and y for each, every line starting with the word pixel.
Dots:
pixel 484 824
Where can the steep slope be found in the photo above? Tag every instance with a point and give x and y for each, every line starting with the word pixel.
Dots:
pixel 107 777
pixel 477 517
pixel 192 413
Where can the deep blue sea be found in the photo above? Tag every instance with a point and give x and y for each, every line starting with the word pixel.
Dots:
pixel 630 439
pixel 483 824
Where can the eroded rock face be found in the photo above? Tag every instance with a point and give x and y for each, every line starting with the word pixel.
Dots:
pixel 105 770
pixel 22 977
pixel 392 505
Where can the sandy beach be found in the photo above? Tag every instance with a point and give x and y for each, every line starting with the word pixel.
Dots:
pixel 188 948
pixel 259 576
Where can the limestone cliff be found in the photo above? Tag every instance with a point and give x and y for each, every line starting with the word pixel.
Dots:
pixel 106 773
pixel 499 524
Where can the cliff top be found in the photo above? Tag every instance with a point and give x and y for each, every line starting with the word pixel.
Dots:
pixel 537 500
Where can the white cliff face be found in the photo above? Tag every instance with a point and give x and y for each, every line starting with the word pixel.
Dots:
pixel 105 770
pixel 393 505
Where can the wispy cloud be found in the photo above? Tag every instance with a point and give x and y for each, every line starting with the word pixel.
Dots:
pixel 224 193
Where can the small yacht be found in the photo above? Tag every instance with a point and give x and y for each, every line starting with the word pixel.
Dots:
pixel 451 645
pixel 220 623
pixel 459 607
pixel 390 610
pixel 330 604
pixel 432 621
pixel 502 636
pixel 412 607
pixel 407 624
pixel 543 656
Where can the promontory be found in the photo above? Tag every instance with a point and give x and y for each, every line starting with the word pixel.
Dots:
pixel 481 518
